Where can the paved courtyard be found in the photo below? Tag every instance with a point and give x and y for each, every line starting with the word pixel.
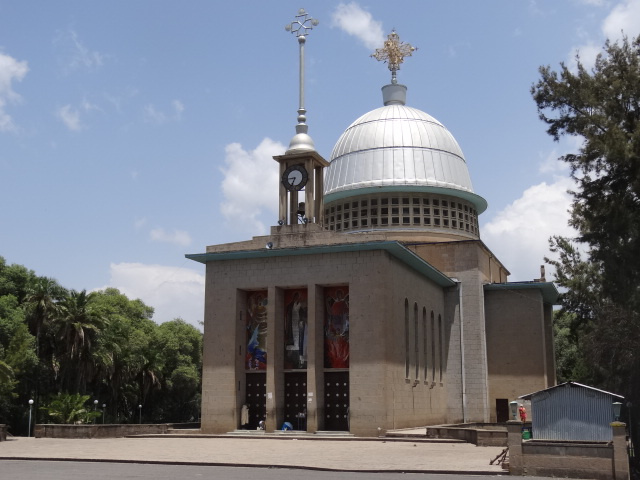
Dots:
pixel 404 455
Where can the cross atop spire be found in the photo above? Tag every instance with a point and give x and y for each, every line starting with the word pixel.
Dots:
pixel 393 53
pixel 301 27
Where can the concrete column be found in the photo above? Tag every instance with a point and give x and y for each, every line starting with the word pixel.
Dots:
pixel 314 356
pixel 620 455
pixel 275 359
pixel 514 441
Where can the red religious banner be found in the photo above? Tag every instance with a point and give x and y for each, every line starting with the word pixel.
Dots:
pixel 295 329
pixel 256 326
pixel 336 327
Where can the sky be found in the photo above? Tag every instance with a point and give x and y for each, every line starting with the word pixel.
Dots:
pixel 133 133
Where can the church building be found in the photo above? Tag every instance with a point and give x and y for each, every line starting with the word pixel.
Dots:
pixel 373 304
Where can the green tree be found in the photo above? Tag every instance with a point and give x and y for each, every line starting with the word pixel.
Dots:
pixel 40 302
pixel 14 279
pixel 180 345
pixel 77 326
pixel 601 303
pixel 123 352
pixel 602 107
pixel 6 373
pixel 69 409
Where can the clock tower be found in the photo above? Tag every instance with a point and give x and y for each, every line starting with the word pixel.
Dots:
pixel 301 173
pixel 301 167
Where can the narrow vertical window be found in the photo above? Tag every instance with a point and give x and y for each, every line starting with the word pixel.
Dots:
pixel 424 342
pixel 416 340
pixel 440 349
pixel 406 338
pixel 433 348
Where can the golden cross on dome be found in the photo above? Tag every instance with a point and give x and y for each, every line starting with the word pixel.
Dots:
pixel 393 53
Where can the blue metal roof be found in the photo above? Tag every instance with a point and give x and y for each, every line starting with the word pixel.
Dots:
pixel 395 249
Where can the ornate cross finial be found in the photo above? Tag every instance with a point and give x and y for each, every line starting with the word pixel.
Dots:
pixel 302 25
pixel 393 53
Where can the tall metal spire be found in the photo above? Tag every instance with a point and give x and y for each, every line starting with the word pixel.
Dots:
pixel 301 27
pixel 393 53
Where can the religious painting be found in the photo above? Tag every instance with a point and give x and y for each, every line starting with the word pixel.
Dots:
pixel 256 327
pixel 295 329
pixel 336 327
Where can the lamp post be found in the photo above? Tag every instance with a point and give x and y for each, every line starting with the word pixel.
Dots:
pixel 30 407
pixel 104 407
pixel 616 411
pixel 140 410
pixel 95 408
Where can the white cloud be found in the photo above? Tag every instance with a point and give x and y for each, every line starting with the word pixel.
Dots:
pixel 153 115
pixel 250 186
pixel 10 70
pixel 595 3
pixel 355 21
pixel 77 55
pixel 172 292
pixel 551 163
pixel 519 234
pixel 587 53
pixel 624 17
pixel 177 237
pixel 178 108
pixel 70 117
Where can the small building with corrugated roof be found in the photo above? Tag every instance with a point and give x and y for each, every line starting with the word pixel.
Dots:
pixel 572 411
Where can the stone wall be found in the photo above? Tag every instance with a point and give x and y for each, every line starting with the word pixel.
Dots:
pixel 517 349
pixel 601 461
pixel 97 431
pixel 482 437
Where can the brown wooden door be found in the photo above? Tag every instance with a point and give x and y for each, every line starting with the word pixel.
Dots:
pixel 336 401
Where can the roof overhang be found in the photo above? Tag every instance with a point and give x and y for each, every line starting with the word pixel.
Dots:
pixel 395 249
pixel 528 396
pixel 548 290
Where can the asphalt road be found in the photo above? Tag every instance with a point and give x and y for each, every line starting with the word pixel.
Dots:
pixel 45 470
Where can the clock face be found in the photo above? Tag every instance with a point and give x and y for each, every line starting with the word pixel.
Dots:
pixel 295 177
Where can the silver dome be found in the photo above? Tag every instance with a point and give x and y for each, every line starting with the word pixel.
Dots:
pixel 398 148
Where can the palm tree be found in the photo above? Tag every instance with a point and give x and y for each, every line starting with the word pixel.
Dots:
pixel 77 325
pixel 70 408
pixel 41 304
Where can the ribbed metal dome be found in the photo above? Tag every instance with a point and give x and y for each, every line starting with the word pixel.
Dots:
pixel 396 147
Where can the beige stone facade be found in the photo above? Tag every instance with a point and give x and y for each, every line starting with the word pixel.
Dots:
pixel 428 344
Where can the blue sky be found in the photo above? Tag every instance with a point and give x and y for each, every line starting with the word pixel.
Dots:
pixel 132 133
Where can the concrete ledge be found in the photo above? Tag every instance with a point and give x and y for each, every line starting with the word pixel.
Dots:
pixel 481 435
pixel 98 431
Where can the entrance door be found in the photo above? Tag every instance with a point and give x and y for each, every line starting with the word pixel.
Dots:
pixel 295 395
pixel 336 401
pixel 502 410
pixel 256 399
